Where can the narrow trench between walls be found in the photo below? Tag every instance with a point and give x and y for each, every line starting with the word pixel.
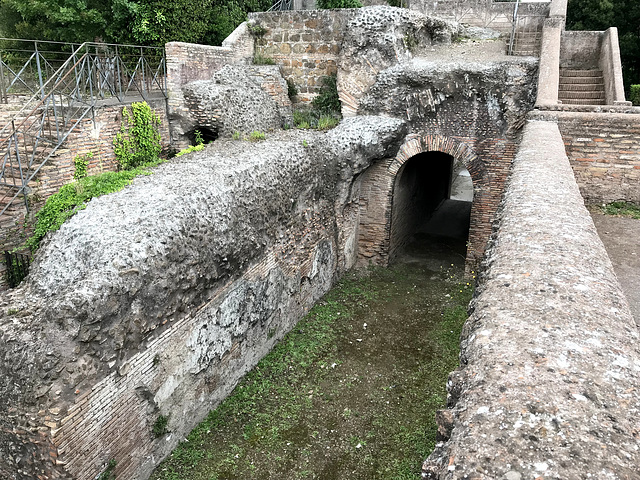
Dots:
pixel 353 390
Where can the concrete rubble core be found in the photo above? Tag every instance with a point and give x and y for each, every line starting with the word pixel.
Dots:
pixel 550 361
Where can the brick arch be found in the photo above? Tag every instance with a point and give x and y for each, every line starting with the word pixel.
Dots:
pixel 377 190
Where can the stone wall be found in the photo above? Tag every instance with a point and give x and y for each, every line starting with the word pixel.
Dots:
pixel 480 13
pixel 604 151
pixel 550 358
pixel 305 44
pixel 155 300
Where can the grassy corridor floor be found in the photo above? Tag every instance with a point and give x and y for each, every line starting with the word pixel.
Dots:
pixel 351 392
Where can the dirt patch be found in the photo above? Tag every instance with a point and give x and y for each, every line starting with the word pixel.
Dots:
pixel 620 237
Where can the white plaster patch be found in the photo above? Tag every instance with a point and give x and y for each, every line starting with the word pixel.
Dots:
pixel 541 467
pixel 482 410
pixel 573 346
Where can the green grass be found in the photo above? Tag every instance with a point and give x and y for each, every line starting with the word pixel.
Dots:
pixel 275 407
pixel 622 209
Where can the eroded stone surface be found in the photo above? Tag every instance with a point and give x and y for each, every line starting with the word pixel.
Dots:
pixel 500 93
pixel 378 37
pixel 231 102
pixel 550 361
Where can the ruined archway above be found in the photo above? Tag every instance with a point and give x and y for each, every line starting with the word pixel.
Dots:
pixel 415 144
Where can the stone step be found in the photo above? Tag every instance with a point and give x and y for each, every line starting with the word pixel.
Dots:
pixel 581 87
pixel 581 80
pixel 583 95
pixel 571 72
pixel 574 101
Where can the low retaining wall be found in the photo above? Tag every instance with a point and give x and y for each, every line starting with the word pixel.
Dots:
pixel 604 150
pixel 550 360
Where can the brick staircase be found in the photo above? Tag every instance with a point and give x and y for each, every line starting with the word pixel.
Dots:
pixel 581 87
pixel 527 43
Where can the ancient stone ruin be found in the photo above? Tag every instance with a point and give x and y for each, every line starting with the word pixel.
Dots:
pixel 158 298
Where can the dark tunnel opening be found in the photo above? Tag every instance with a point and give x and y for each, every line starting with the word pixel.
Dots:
pixel 206 135
pixel 431 209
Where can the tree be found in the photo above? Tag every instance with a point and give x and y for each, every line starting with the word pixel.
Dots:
pixel 602 14
pixel 141 22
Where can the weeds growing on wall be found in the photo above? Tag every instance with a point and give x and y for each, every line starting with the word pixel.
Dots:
pixel 81 162
pixel 138 141
pixel 259 59
pixel 73 197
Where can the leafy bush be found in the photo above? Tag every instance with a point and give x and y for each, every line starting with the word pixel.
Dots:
pixel 74 196
pixel 339 4
pixel 81 162
pixel 138 141
pixel 292 90
pixel 327 101
pixel 635 94
pixel 160 426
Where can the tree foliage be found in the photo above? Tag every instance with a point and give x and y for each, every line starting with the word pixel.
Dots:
pixel 140 22
pixel 602 14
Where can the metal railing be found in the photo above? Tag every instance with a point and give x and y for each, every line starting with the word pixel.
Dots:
pixel 64 97
pixel 17 267
pixel 281 5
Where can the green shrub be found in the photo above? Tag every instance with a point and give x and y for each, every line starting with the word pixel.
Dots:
pixel 256 136
pixel 193 148
pixel 138 141
pixel 81 162
pixel 327 101
pixel 634 96
pixel 74 196
pixel 339 4
pixel 160 426
pixel 292 90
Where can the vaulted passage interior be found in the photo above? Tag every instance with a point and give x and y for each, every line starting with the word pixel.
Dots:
pixel 431 206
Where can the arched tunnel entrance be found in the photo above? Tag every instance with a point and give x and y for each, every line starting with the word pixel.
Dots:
pixel 432 194
pixel 431 208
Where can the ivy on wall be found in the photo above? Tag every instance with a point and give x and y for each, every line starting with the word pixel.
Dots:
pixel 138 141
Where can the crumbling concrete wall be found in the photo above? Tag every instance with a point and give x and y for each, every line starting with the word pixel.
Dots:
pixel 550 360
pixel 155 300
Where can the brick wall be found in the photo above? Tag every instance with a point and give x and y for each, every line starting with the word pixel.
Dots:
pixel 16 224
pixel 306 45
pixel 604 151
pixel 488 163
